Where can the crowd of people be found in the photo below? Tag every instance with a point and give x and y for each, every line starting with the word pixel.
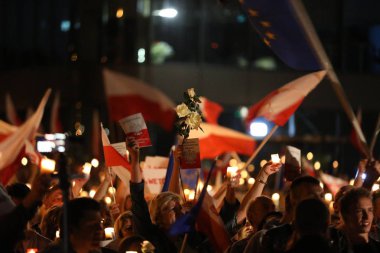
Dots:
pixel 31 219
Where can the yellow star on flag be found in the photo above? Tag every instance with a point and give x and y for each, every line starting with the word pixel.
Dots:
pixel 253 13
pixel 265 24
pixel 270 35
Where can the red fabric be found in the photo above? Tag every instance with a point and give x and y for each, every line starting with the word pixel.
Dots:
pixel 280 118
pixel 214 145
pixel 210 224
pixel 122 106
pixel 113 158
pixel 211 110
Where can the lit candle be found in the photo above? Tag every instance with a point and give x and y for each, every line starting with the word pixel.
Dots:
pixel 231 172
pixel 87 168
pixel 32 250
pixel 191 195
pixel 47 165
pixel 328 197
pixel 276 199
pixel 57 234
pixel 275 158
pixel 109 232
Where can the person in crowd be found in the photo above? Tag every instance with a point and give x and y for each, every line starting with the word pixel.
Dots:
pixel 85 228
pixel 52 198
pixel 154 223
pixel 232 212
pixel 50 223
pixel 123 229
pixel 14 222
pixel 256 212
pixel 272 220
pixel 375 230
pixel 357 212
pixel 312 219
pixel 335 216
pixel 276 239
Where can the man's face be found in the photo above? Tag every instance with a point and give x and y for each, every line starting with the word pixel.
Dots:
pixel 359 217
pixel 89 232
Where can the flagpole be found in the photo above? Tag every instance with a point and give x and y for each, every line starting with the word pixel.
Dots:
pixel 374 137
pixel 113 193
pixel 313 38
pixel 258 149
pixel 184 243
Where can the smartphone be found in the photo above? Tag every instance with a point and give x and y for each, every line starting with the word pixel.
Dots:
pixel 51 142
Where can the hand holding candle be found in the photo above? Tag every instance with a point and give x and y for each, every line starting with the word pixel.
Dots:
pixel 275 158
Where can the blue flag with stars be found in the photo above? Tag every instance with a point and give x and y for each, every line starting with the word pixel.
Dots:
pixel 278 26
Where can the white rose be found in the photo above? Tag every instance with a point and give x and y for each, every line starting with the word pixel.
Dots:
pixel 191 92
pixel 182 110
pixel 193 120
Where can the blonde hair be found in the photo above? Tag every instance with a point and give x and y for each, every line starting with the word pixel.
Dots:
pixel 119 223
pixel 159 203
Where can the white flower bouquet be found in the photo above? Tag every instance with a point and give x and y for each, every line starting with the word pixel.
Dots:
pixel 189 115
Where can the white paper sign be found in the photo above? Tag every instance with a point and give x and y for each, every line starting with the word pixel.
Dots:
pixel 154 179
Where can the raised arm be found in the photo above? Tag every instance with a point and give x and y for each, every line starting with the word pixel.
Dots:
pixel 257 188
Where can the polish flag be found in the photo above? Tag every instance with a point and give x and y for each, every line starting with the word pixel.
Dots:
pixel 215 140
pixel 333 183
pixel 115 160
pixel 7 129
pixel 204 217
pixel 10 111
pixel 11 148
pixel 210 110
pixel 127 95
pixel 55 123
pixel 211 224
pixel 279 105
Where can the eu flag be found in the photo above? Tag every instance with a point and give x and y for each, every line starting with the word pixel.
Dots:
pixel 278 26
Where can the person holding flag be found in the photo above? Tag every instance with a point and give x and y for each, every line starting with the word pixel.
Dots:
pixel 154 223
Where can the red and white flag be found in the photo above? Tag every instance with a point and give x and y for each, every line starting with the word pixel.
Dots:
pixel 55 123
pixel 333 183
pixel 280 104
pixel 210 110
pixel 10 111
pixel 215 140
pixel 11 148
pixel 127 95
pixel 211 224
pixel 115 160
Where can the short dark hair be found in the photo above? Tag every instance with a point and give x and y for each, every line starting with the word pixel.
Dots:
pixel 18 190
pixel 375 196
pixel 312 217
pixel 303 180
pixel 352 197
pixel 77 208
